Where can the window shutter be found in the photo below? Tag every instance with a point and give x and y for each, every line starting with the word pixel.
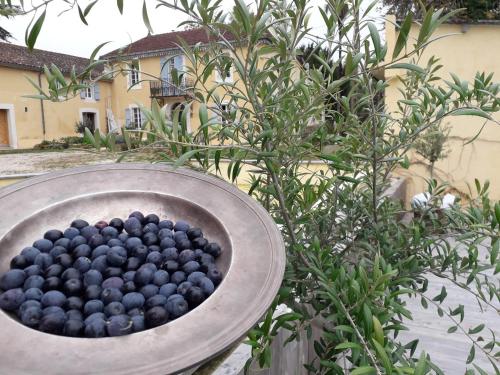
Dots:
pixel 128 115
pixel 143 118
pixel 164 68
pixel 178 63
pixel 82 93
pixel 97 92
pixel 129 75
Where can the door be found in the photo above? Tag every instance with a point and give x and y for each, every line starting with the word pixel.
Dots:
pixel 181 109
pixel 4 128
pixel 89 120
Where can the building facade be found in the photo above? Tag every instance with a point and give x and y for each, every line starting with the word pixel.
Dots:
pixel 463 49
pixel 146 66
pixel 24 121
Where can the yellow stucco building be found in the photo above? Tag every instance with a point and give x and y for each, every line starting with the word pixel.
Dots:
pixel 25 122
pixel 464 50
pixel 147 65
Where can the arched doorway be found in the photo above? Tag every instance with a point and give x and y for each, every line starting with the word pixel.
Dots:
pixel 181 107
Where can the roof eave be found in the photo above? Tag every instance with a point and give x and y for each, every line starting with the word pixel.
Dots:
pixel 151 53
pixel 31 68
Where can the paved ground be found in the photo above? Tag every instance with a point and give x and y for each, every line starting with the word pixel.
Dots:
pixel 37 162
pixel 450 351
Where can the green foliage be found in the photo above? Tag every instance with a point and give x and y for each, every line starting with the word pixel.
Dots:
pixel 60 144
pixel 80 126
pixel 7 11
pixel 51 145
pixel 432 144
pixel 351 263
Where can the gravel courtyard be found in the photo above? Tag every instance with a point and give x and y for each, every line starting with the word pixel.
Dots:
pixel 39 162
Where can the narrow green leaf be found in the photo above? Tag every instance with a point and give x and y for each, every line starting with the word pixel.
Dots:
pixel 425 27
pixel 203 114
pixel 421 367
pixel 96 51
pixel 89 7
pixel 97 138
pixel 407 66
pixel 80 13
pixel 374 34
pixel 363 370
pixel 382 356
pixel 497 212
pixel 471 112
pixel 254 185
pixel 32 36
pixel 494 253
pixel 145 17
pixel 185 157
pixel 217 160
pixel 347 345
pixel 126 138
pixel 344 328
pixel 336 162
pixel 378 330
pixel 403 36
pixel 471 355
pixel 476 329
pixel 58 75
pixel 367 319
pixel 267 356
pixel 119 4
pixel 88 138
pixel 452 329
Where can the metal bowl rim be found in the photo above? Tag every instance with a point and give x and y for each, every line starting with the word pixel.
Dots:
pixel 274 277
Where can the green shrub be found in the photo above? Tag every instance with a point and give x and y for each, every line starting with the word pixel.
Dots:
pixel 51 145
pixel 80 126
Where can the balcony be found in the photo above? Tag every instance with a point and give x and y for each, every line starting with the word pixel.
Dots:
pixel 163 89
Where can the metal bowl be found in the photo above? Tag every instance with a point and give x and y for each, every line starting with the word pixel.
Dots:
pixel 252 261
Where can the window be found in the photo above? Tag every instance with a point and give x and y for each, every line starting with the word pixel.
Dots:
pixel 134 75
pixel 225 76
pixel 171 67
pixel 136 117
pixel 88 93
pixel 108 72
pixel 225 113
pixel 61 93
pixel 224 73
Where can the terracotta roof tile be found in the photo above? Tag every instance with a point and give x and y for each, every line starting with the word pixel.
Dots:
pixel 163 41
pixel 18 56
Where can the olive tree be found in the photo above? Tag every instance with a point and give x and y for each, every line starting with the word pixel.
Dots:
pixel 351 261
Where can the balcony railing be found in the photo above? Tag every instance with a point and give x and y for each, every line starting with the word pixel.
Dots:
pixel 161 89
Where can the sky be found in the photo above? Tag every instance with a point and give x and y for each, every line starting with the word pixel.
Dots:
pixel 67 34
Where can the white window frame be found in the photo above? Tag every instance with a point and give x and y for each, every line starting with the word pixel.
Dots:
pixel 228 79
pixel 133 109
pixel 86 91
pixel 219 112
pixel 131 71
pixel 58 87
